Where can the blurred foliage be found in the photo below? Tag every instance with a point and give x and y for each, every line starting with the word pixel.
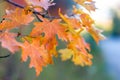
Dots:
pixel 116 24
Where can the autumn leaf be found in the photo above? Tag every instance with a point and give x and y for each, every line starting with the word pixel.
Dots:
pixel 50 28
pixel 66 53
pixel 77 57
pixel 37 53
pixel 82 59
pixel 71 24
pixel 96 34
pixel 9 42
pixel 18 17
pixel 88 22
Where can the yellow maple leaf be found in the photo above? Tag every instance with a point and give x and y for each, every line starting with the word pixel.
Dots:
pixel 77 57
pixel 66 53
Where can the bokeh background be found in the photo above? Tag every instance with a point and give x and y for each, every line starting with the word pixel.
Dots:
pixel 106 61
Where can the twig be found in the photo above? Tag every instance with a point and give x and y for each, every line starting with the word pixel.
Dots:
pixel 15 4
pixel 5 56
pixel 2 20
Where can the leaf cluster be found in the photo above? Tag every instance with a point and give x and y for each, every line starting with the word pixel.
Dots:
pixel 40 44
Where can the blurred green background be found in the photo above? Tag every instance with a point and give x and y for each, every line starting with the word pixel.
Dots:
pixel 11 68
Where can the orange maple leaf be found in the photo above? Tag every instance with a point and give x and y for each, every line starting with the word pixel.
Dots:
pixel 71 24
pixel 37 53
pixel 18 17
pixel 50 28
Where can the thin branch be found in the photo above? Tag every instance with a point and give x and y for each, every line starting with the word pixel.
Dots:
pixel 5 56
pixel 34 12
pixel 2 20
pixel 15 4
pixel 18 5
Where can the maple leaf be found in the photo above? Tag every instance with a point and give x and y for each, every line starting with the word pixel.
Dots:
pixel 8 41
pixel 77 57
pixel 18 17
pixel 39 56
pixel 71 24
pixel 88 22
pixel 50 28
pixel 42 3
pixel 96 34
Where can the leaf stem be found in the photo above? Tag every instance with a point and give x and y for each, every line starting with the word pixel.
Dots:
pixel 38 18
